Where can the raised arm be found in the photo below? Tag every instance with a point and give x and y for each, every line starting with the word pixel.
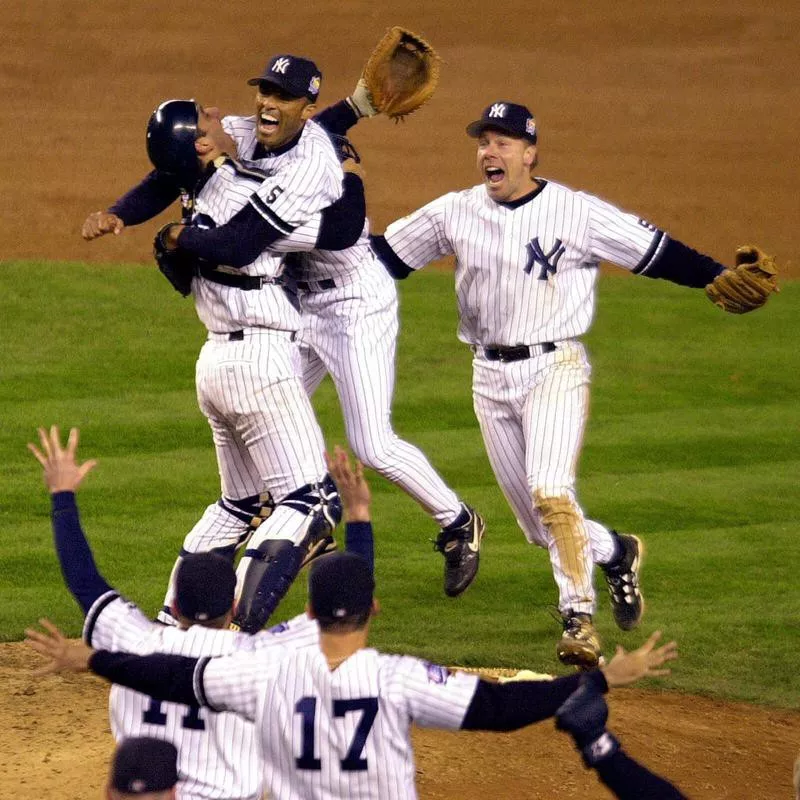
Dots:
pixel 62 476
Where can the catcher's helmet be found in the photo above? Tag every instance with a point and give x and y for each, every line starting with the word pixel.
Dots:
pixel 171 134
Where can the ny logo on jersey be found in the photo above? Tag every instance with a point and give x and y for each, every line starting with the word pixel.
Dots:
pixel 497 110
pixel 280 65
pixel 548 261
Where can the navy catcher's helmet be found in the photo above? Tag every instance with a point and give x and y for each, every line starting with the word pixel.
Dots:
pixel 171 134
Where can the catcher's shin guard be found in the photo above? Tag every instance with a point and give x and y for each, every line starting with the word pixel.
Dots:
pixel 274 562
pixel 273 566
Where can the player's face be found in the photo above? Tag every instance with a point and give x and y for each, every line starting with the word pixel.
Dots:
pixel 279 116
pixel 505 163
pixel 209 123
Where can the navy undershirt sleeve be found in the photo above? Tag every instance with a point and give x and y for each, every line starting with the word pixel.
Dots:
pixel 343 221
pixel 237 243
pixel 168 678
pixel 680 264
pixel 359 539
pixel 629 780
pixel 147 199
pixel 509 706
pixel 395 265
pixel 338 118
pixel 74 554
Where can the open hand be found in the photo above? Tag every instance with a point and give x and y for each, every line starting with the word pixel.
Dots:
pixel 66 655
pixel 625 668
pixel 62 473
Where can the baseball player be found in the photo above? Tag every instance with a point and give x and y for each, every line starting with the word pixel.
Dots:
pixel 527 253
pixel 264 430
pixel 347 302
pixel 334 718
pixel 143 766
pixel 218 755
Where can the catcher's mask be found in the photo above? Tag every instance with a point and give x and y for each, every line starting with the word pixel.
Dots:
pixel 171 134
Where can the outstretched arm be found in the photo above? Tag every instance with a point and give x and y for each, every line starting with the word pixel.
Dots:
pixel 62 476
pixel 513 705
pixel 143 202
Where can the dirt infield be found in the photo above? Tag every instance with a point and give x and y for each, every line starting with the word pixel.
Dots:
pixel 687 115
pixel 57 745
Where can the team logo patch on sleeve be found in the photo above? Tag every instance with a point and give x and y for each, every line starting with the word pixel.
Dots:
pixel 437 673
pixel 279 628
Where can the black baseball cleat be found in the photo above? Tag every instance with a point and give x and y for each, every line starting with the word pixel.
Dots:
pixel 622 578
pixel 579 645
pixel 460 544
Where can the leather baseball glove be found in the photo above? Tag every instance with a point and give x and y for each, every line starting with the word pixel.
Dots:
pixel 401 74
pixel 748 285
pixel 177 266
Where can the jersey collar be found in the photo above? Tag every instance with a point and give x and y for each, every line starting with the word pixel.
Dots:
pixel 526 198
pixel 262 152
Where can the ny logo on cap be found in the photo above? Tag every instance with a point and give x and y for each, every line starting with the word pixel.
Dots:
pixel 280 65
pixel 497 110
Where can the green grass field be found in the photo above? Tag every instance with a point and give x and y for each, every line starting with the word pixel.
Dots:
pixel 692 443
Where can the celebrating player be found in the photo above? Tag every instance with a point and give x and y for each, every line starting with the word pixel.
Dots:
pixel 217 752
pixel 334 717
pixel 263 426
pixel 527 257
pixel 347 301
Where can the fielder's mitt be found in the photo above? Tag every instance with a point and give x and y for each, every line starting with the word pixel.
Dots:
pixel 748 285
pixel 177 266
pixel 401 74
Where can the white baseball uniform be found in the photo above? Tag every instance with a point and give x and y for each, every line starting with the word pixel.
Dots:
pixel 341 733
pixel 350 326
pixel 525 275
pixel 264 429
pixel 218 753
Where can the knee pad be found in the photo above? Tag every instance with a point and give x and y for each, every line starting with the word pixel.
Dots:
pixel 321 504
pixel 252 510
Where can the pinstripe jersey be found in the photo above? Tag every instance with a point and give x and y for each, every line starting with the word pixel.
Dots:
pixel 226 308
pixel 217 753
pixel 317 264
pixel 341 733
pixel 525 270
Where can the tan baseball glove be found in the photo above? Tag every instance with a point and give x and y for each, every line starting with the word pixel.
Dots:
pixel 401 74
pixel 748 285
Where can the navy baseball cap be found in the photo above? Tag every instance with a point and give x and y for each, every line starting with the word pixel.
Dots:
pixel 297 76
pixel 340 585
pixel 204 586
pixel 508 117
pixel 142 765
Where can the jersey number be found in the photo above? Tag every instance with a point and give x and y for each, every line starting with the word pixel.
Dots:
pixel 352 762
pixel 273 194
pixel 191 720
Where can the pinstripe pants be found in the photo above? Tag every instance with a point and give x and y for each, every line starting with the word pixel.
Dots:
pixel 532 415
pixel 264 429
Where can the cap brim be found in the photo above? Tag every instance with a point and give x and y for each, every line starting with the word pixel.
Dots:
pixel 475 129
pixel 256 81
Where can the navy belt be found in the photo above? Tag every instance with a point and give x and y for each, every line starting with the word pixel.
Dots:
pixel 238 336
pixel 316 286
pixel 236 280
pixel 517 353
